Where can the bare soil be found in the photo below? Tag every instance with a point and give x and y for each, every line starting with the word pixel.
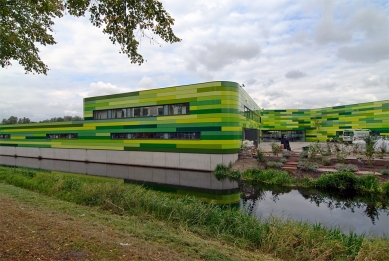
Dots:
pixel 376 166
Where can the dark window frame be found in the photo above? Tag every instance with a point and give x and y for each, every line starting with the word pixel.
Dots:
pixel 5 136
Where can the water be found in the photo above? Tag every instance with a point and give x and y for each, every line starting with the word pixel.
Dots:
pixel 350 213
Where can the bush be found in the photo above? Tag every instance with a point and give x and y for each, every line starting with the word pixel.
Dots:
pixel 269 176
pixel 260 155
pixel 221 171
pixel 306 165
pixel 286 153
pixel 275 148
pixel 283 160
pixel 368 183
pixel 326 161
pixel 344 167
pixel 340 181
pixel 385 172
pixel 304 155
pixel 274 164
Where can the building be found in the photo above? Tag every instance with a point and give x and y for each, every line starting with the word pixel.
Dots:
pixel 325 123
pixel 191 127
pixel 186 127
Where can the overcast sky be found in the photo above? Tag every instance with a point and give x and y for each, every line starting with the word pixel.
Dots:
pixel 288 54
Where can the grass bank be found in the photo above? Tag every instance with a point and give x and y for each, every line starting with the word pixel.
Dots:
pixel 287 240
pixel 341 180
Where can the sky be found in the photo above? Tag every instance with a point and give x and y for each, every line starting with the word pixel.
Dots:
pixel 289 55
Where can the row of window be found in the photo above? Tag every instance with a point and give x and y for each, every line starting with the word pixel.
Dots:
pixel 62 136
pixel 157 135
pixel 142 135
pixel 249 114
pixel 146 111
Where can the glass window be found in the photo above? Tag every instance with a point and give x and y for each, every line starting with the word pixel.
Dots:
pixel 118 113
pixel 100 115
pixel 5 136
pixel 154 111
pixel 129 112
pixel 137 112
pixel 145 111
pixel 62 136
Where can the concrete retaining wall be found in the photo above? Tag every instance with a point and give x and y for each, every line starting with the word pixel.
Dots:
pixel 186 178
pixel 187 161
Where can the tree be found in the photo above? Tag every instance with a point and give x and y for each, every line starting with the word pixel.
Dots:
pixel 23 23
pixel 24 120
pixel 11 120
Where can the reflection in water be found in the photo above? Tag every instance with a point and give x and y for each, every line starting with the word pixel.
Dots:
pixel 347 211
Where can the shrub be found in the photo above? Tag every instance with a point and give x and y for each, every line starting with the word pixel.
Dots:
pixel 385 172
pixel 286 153
pixel 325 161
pixel 340 181
pixel 369 151
pixel 275 148
pixel 283 160
pixel 385 188
pixel 260 155
pixel 274 164
pixel 303 155
pixel 306 165
pixel 269 176
pixel 221 171
pixel 344 167
pixel 368 183
pixel 314 150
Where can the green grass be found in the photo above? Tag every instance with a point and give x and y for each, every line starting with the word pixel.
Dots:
pixel 284 239
pixel 341 180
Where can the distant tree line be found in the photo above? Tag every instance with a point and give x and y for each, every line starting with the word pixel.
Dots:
pixel 24 120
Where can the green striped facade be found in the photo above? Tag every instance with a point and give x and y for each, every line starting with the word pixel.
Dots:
pixel 324 123
pixel 216 110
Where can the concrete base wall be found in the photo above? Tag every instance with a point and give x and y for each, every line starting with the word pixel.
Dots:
pixel 176 177
pixel 187 161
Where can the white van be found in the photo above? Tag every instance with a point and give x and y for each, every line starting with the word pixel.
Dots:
pixel 354 135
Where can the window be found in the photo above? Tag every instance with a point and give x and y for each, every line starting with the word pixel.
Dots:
pixel 62 136
pixel 5 136
pixel 147 111
pixel 157 135
pixel 119 113
pixel 99 115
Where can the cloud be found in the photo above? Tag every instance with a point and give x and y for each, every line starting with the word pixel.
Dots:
pixel 215 56
pixel 294 74
pixel 327 84
pixel 147 83
pixel 101 88
pixel 366 52
pixel 327 30
pixel 251 81
pixel 269 83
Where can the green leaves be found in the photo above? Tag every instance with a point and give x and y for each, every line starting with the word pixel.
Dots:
pixel 27 22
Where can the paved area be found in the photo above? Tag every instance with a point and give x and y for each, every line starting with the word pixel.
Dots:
pixel 295 146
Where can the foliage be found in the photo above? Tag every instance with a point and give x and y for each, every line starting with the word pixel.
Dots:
pixel 303 155
pixel 283 160
pixel 275 148
pixel 286 153
pixel 369 150
pixel 342 150
pixel 338 181
pixel 24 120
pixel 385 172
pixel 260 155
pixel 274 164
pixel 27 23
pixel 368 183
pixel 326 161
pixel 268 176
pixel 306 165
pixel 346 167
pixel 221 171
pixel 314 150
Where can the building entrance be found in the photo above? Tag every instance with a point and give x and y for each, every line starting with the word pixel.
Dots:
pixel 269 136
